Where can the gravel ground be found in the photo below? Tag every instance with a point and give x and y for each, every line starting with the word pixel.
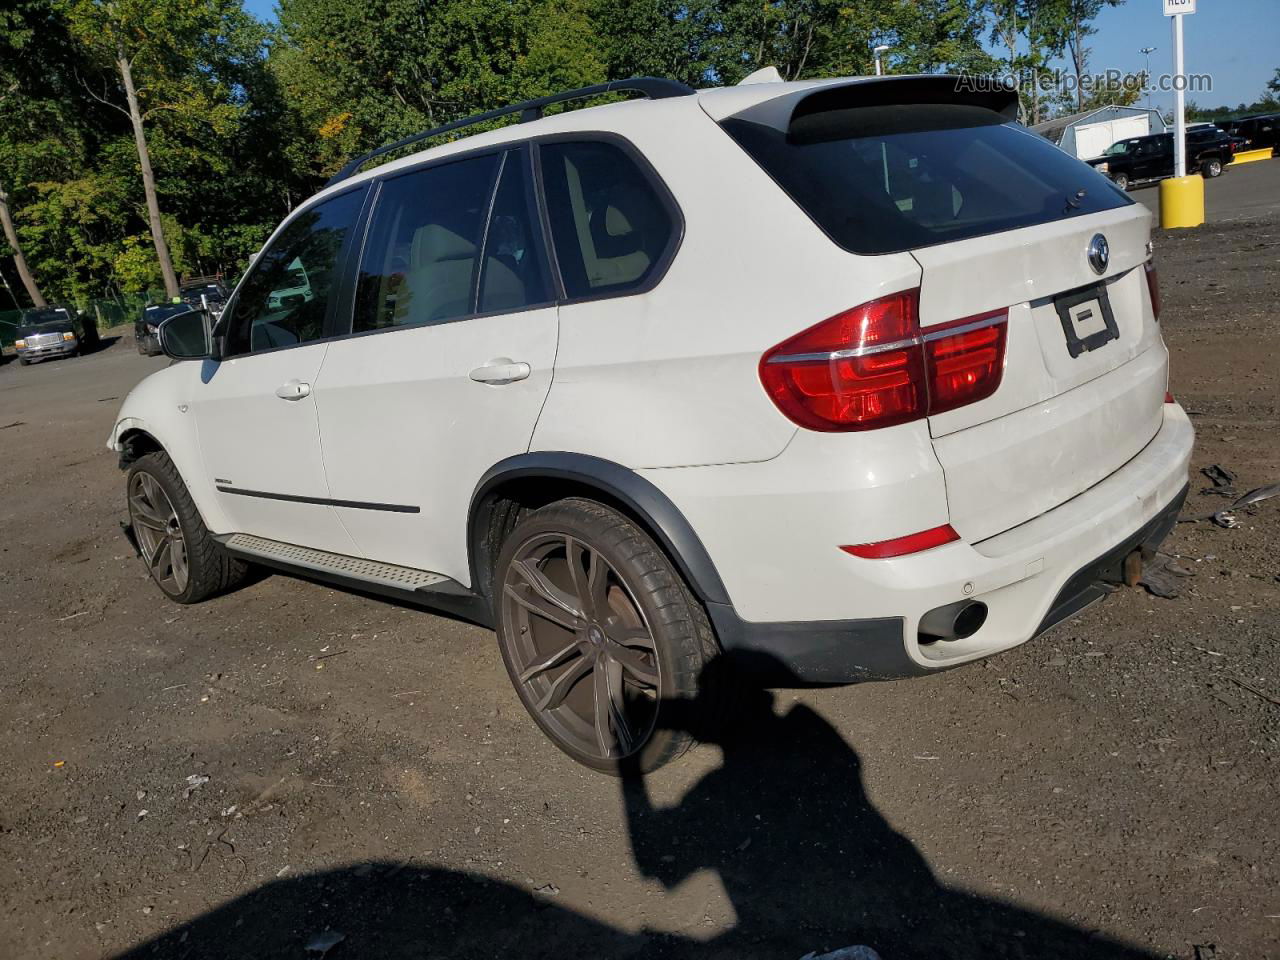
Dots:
pixel 1108 790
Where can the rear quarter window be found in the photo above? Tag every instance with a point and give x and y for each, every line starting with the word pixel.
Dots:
pixel 885 179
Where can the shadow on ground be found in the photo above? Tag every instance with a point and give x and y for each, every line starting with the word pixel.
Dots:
pixel 807 861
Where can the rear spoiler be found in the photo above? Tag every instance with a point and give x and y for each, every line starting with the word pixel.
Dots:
pixel 790 108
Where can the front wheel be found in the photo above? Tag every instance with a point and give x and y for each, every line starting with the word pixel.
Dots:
pixel 602 638
pixel 1211 168
pixel 1121 180
pixel 181 556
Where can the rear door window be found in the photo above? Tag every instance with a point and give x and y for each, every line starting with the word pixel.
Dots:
pixel 612 230
pixel 885 179
pixel 513 274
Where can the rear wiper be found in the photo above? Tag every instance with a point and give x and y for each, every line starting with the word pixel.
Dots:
pixel 1073 201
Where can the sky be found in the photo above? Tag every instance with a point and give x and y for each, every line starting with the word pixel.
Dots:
pixel 1236 42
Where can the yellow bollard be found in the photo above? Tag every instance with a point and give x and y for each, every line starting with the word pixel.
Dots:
pixel 1182 201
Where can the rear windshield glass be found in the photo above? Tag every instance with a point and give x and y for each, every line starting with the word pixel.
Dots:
pixel 884 179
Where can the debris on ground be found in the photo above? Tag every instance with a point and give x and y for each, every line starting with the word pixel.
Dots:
pixel 194 783
pixel 1225 517
pixel 1223 480
pixel 845 953
pixel 322 943
pixel 1162 576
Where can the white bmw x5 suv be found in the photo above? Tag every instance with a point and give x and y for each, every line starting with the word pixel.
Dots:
pixel 846 380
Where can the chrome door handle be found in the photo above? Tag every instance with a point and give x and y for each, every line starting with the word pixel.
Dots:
pixel 293 390
pixel 500 370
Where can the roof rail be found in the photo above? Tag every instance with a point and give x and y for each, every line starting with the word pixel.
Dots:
pixel 655 88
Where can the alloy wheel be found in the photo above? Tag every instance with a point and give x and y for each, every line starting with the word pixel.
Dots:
pixel 159 533
pixel 581 650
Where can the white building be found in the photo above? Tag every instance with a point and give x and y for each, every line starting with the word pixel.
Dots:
pixel 1087 135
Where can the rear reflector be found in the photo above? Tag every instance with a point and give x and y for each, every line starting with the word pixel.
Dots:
pixel 1168 397
pixel 1153 287
pixel 873 366
pixel 901 546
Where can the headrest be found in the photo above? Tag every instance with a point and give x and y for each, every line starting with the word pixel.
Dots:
pixel 434 243
pixel 617 226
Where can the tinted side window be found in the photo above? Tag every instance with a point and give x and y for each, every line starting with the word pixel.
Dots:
pixel 609 225
pixel 423 251
pixel 514 274
pixel 285 296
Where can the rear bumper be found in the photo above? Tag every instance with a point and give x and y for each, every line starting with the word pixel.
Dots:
pixel 864 614
pixel 853 651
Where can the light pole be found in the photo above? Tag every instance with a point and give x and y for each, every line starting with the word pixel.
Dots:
pixel 1147 52
pixel 876 51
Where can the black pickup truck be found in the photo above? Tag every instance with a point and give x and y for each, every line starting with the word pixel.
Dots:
pixel 1144 159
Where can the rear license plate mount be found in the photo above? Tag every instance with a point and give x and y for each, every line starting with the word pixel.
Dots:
pixel 1086 317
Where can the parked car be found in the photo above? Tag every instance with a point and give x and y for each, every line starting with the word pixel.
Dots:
pixel 843 380
pixel 197 294
pixel 1257 132
pixel 148 323
pixel 54 331
pixel 1147 159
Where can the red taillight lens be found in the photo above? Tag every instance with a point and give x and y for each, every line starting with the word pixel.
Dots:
pixel 1153 287
pixel 854 371
pixel 901 546
pixel 872 366
pixel 966 365
pixel 1168 397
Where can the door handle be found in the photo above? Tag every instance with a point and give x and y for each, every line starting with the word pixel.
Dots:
pixel 293 390
pixel 500 370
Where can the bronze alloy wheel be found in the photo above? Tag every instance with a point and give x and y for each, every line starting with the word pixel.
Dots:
pixel 159 533
pixel 579 647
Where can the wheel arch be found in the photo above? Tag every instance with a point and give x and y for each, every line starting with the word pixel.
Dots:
pixel 531 480
pixel 135 443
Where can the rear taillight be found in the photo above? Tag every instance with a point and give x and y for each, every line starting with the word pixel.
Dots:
pixel 872 366
pixel 965 360
pixel 1153 287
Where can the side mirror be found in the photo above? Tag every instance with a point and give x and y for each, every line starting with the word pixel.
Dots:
pixel 185 336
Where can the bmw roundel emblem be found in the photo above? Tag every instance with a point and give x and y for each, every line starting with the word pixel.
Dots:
pixel 1099 253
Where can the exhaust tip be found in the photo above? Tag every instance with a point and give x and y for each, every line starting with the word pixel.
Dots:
pixel 970 619
pixel 955 621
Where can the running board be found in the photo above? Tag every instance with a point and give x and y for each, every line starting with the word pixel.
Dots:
pixel 349 568
pixel 421 587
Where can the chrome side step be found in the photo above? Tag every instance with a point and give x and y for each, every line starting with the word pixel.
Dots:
pixel 385 575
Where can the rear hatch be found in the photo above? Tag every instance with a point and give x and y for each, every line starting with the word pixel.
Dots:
pixel 999 220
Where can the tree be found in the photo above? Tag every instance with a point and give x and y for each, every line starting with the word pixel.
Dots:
pixel 1079 16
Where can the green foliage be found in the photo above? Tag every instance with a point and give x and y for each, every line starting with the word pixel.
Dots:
pixel 244 120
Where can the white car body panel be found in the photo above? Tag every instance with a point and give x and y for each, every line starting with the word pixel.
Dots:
pixel 402 423
pixel 257 442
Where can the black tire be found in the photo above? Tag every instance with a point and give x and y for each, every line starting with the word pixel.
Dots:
pixel 24 362
pixel 1211 168
pixel 210 570
pixel 1121 180
pixel 660 720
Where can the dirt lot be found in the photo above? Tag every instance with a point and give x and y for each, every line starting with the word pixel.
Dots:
pixel 1109 790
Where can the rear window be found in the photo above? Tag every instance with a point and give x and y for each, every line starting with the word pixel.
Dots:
pixel 883 179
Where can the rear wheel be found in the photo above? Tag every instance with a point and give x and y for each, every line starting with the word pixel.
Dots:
pixel 601 637
pixel 181 556
pixel 1211 168
pixel 1121 180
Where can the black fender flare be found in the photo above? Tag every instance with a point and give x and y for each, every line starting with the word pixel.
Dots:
pixel 625 486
